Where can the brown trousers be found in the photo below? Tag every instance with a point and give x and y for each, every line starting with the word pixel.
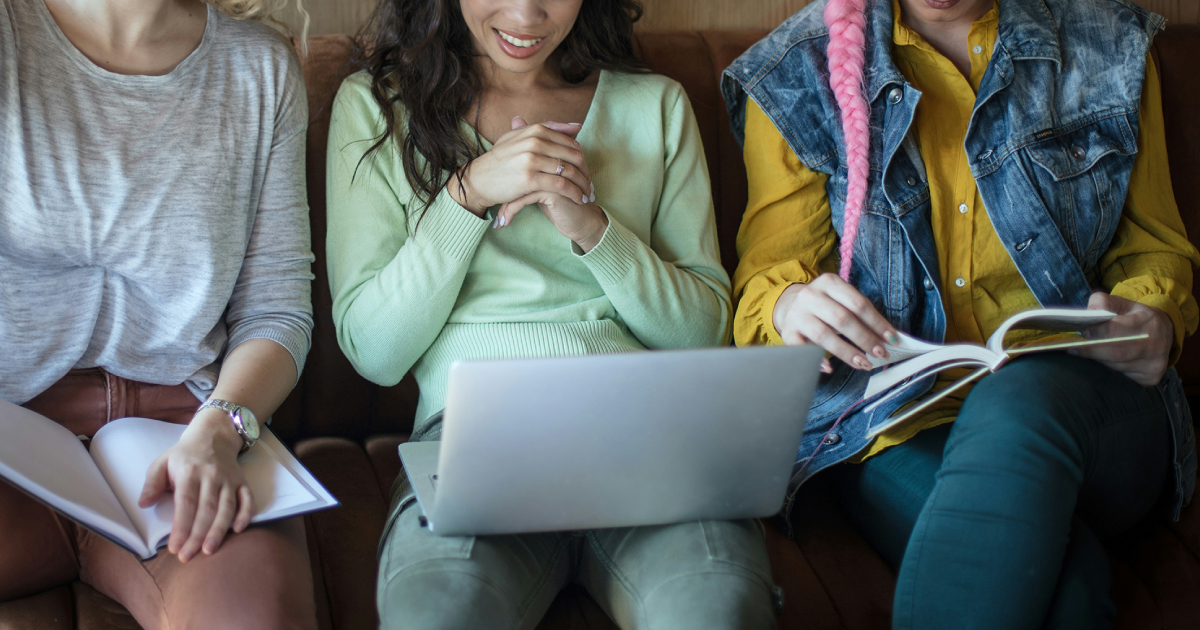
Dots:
pixel 260 578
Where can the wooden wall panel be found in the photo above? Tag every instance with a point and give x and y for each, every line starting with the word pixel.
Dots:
pixel 344 16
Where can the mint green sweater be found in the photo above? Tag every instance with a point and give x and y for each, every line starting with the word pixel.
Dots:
pixel 458 289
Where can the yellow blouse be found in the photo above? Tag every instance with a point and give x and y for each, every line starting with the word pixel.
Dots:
pixel 787 236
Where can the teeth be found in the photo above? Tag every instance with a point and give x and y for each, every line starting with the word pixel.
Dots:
pixel 519 43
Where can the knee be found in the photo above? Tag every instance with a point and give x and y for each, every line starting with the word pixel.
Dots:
pixel 261 578
pixel 442 598
pixel 731 600
pixel 1028 406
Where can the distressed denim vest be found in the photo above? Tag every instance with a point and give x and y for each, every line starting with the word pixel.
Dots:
pixel 1051 144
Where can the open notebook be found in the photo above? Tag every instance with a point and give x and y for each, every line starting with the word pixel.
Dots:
pixel 99 489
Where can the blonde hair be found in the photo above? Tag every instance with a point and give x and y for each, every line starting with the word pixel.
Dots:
pixel 269 12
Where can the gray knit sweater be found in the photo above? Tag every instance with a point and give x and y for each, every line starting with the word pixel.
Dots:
pixel 148 224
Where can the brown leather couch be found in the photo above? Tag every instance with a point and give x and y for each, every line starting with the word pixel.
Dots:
pixel 346 430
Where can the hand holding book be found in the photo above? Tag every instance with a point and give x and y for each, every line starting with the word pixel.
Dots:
pixel 1145 361
pixel 211 494
pixel 832 313
pixel 1132 338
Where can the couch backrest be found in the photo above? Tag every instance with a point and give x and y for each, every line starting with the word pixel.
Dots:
pixel 332 399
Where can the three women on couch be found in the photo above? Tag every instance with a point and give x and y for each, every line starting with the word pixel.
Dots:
pixel 969 160
pixel 154 253
pixel 959 162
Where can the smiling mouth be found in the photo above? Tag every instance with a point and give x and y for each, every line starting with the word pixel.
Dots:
pixel 519 43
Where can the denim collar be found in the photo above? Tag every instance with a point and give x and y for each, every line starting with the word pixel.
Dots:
pixel 1026 31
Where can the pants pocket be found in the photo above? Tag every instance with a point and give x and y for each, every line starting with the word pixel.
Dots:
pixel 740 543
pixel 407 543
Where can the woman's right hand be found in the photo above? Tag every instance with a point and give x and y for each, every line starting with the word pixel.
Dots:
pixel 832 314
pixel 523 161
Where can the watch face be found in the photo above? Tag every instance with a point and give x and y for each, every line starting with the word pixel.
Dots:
pixel 249 423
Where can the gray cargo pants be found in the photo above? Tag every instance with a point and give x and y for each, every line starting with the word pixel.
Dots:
pixel 689 576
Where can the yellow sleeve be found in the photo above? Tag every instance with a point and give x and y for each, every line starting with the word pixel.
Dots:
pixel 786 237
pixel 1150 259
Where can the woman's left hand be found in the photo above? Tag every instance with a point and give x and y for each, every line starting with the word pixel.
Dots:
pixel 211 493
pixel 1144 360
pixel 582 223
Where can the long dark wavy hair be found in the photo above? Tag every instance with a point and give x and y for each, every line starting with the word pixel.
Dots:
pixel 421 55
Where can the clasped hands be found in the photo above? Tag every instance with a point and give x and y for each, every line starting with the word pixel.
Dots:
pixel 534 164
pixel 832 314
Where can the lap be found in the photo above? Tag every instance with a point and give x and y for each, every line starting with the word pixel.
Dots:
pixel 713 574
pixel 1115 429
pixel 38 548
pixel 1055 413
pixel 260 578
pixel 431 581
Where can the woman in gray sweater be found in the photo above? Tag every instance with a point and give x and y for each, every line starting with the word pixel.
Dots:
pixel 154 254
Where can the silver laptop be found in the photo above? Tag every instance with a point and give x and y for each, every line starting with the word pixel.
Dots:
pixel 619 440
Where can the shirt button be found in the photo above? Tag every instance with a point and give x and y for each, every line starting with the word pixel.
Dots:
pixel 928 284
pixel 960 283
pixel 832 439
pixel 895 96
pixel 962 209
pixel 912 181
pixel 978 49
pixel 1079 153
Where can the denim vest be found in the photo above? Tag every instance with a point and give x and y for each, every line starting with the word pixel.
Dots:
pixel 1051 144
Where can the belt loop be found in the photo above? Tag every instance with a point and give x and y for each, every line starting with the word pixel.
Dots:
pixel 108 395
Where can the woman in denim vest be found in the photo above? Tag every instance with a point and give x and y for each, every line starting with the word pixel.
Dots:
pixel 958 162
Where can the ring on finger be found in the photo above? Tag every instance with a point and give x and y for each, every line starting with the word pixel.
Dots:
pixel 560 168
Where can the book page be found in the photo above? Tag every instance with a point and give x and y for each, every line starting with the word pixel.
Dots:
pixel 942 354
pixel 125 448
pixel 1050 320
pixel 47 461
pixel 908 348
pixel 894 388
pixel 913 412
pixel 123 451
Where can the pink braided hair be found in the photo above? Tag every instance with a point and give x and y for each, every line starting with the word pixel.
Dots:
pixel 847 57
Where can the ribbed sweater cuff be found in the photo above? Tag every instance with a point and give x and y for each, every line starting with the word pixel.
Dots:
pixel 450 228
pixel 614 255
pixel 294 341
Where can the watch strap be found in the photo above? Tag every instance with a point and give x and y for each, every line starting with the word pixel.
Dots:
pixel 235 414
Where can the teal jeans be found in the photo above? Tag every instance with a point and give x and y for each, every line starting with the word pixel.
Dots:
pixel 710 575
pixel 996 520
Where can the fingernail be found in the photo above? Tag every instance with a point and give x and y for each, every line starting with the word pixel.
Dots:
pixel 576 124
pixel 879 352
pixel 503 220
pixel 862 363
pixel 826 368
pixel 495 223
pixel 892 337
pixel 593 198
pixel 514 118
pixel 584 199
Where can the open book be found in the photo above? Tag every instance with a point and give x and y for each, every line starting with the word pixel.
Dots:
pixel 100 489
pixel 916 359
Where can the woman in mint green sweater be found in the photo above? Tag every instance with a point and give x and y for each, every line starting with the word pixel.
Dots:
pixel 457 230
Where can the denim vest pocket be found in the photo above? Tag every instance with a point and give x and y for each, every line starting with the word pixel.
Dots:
pixel 826 399
pixel 1082 173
